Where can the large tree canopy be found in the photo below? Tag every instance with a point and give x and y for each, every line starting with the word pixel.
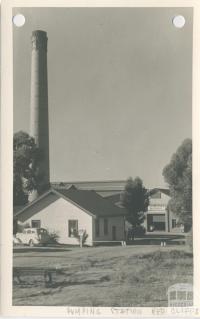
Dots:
pixel 135 199
pixel 25 153
pixel 178 175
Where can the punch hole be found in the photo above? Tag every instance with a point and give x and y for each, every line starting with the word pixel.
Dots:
pixel 178 21
pixel 18 20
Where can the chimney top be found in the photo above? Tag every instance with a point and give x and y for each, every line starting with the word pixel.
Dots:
pixel 40 33
pixel 39 40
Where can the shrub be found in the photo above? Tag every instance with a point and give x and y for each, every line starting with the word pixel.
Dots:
pixel 84 237
pixel 53 237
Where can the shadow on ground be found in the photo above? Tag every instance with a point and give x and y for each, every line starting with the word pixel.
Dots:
pixel 39 249
pixel 61 284
pixel 147 239
pixel 154 239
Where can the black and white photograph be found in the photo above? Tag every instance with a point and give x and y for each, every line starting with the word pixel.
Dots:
pixel 102 156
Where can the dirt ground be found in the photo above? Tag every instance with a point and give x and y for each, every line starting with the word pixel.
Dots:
pixel 102 276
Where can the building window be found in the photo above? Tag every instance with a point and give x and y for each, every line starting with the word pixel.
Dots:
pixel 36 223
pixel 97 228
pixel 72 228
pixel 159 218
pixel 105 226
pixel 173 223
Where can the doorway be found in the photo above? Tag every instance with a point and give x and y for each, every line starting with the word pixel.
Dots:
pixel 156 222
pixel 113 232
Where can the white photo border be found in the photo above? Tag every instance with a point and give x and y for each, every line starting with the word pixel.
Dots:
pixel 7 165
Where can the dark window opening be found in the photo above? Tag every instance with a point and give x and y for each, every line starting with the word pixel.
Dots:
pixel 156 222
pixel 105 226
pixel 97 230
pixel 72 228
pixel 36 223
pixel 173 223
pixel 113 232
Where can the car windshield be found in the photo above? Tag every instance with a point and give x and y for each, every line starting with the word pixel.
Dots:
pixel 42 231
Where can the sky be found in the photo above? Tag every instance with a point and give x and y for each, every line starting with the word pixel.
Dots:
pixel 120 89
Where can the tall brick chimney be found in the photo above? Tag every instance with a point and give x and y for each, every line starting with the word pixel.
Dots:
pixel 39 118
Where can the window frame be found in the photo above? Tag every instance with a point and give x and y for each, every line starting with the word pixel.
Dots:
pixel 70 227
pixel 174 225
pixel 36 221
pixel 105 226
pixel 97 227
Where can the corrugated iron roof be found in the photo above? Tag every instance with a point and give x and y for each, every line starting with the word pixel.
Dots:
pixel 89 200
pixel 92 202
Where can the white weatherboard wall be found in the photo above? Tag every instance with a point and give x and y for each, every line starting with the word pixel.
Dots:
pixel 55 216
pixel 160 203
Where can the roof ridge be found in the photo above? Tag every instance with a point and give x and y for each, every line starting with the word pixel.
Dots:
pixel 66 193
pixel 89 181
pixel 92 203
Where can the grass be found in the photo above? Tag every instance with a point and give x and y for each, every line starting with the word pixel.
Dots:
pixel 104 276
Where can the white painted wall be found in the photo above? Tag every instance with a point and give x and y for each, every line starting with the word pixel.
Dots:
pixel 55 216
pixel 54 213
pixel 159 203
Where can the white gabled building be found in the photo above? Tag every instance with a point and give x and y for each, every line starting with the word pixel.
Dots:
pixel 67 211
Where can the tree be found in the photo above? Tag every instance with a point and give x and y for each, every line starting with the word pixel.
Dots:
pixel 178 175
pixel 135 199
pixel 25 153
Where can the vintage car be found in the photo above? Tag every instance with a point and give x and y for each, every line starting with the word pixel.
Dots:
pixel 33 236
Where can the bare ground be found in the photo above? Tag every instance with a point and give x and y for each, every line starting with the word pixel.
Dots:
pixel 103 276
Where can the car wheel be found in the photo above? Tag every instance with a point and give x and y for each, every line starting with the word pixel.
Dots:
pixel 31 243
